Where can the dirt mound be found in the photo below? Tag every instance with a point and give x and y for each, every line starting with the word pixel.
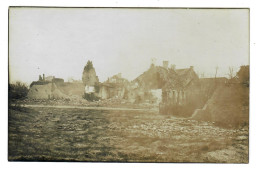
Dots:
pixel 229 105
pixel 201 114
pixel 47 91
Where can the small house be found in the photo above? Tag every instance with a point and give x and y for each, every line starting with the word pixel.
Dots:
pixel 181 92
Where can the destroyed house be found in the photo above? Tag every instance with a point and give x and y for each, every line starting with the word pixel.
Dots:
pixel 181 92
pixel 50 79
pixel 147 87
pixel 46 89
pixel 114 87
pixel 154 78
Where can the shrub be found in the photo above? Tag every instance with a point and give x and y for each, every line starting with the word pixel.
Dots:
pixel 17 91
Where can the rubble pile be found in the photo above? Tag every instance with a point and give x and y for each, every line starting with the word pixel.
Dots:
pixel 46 91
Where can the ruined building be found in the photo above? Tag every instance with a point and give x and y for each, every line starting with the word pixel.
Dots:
pixel 89 77
pixel 174 90
pixel 114 87
pixel 148 86
pixel 181 93
pixel 90 80
pixel 46 88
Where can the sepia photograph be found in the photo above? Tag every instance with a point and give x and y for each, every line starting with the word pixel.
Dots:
pixel 136 85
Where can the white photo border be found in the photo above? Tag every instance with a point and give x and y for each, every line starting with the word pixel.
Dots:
pixel 254 75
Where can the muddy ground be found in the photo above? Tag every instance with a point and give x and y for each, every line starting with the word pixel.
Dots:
pixel 56 134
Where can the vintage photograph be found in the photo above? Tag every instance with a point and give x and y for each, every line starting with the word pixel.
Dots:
pixel 128 85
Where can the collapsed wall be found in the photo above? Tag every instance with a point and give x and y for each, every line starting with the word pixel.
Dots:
pixel 73 90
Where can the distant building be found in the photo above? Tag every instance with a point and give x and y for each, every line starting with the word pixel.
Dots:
pixel 180 90
pixel 165 64
pixel 164 85
pixel 114 87
pixel 49 78
pixel 116 79
pixel 45 90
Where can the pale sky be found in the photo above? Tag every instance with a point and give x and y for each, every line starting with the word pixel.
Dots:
pixel 60 41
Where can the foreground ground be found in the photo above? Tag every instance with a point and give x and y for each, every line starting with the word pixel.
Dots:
pixel 58 134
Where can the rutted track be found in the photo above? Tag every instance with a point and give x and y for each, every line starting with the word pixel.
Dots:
pixel 87 108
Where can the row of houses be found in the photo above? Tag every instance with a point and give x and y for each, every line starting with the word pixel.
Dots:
pixel 159 84
pixel 170 88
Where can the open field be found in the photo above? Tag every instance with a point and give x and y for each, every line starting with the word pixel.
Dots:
pixel 63 134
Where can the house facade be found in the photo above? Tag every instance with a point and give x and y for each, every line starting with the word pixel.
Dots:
pixel 181 93
pixel 114 87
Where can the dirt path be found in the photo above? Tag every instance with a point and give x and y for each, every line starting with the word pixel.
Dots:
pixel 88 108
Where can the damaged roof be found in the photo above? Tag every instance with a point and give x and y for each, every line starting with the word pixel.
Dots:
pixel 160 77
pixel 182 79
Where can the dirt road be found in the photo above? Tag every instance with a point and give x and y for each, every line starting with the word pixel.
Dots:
pixel 87 108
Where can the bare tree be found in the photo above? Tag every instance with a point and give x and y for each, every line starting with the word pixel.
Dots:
pixel 231 72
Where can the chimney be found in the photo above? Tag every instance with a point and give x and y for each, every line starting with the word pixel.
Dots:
pixel 165 64
pixel 43 77
pixel 153 61
pixel 40 78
